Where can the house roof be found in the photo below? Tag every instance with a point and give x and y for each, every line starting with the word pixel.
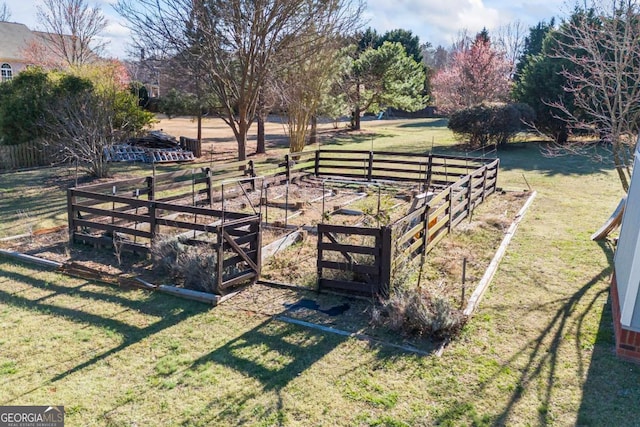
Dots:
pixel 14 39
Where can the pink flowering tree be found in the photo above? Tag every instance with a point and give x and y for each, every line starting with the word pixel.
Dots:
pixel 476 73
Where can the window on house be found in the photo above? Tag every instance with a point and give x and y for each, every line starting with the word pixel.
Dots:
pixel 6 72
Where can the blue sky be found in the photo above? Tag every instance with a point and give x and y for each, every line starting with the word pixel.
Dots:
pixel 435 21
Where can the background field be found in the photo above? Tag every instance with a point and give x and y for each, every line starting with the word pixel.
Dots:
pixel 538 352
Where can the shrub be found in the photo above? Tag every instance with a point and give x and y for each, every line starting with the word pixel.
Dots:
pixel 418 313
pixel 193 265
pixel 490 124
pixel 176 103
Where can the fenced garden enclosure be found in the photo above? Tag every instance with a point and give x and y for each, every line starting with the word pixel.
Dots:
pixel 372 212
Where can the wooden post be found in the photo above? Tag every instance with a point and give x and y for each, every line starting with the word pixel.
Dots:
pixel 287 159
pixel 469 194
pixel 153 222
pixel 258 244
pixel 429 172
pixel 252 174
pixel 386 254
pixel 425 235
pixel 320 255
pixel 484 182
pixel 370 166
pixel 317 164
pixel 71 201
pixel 220 257
pixel 209 186
pixel 151 186
pixel 451 193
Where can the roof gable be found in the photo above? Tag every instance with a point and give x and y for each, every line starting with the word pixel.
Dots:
pixel 14 39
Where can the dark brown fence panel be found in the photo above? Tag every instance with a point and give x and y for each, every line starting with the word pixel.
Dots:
pixel 354 259
pixel 421 230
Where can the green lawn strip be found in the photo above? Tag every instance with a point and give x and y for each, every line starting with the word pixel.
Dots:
pixel 537 352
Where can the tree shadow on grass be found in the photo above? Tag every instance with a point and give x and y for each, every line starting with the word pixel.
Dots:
pixel 542 364
pixel 530 156
pixel 610 393
pixel 169 310
pixel 427 123
pixel 273 353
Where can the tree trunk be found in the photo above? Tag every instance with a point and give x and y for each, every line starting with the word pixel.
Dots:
pixel 199 127
pixel 356 119
pixel 262 115
pixel 313 138
pixel 243 128
pixel 620 168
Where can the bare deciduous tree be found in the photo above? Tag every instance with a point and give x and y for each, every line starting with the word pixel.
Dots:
pixel 71 30
pixel 510 39
pixel 602 43
pixel 301 89
pixel 234 44
pixel 5 12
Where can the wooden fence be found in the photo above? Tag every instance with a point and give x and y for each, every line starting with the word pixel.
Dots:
pixel 411 236
pixel 130 215
pixel 346 266
pixel 430 169
pixel 421 230
pixel 25 156
pixel 133 213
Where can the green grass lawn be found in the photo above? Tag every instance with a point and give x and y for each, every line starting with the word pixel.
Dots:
pixel 538 352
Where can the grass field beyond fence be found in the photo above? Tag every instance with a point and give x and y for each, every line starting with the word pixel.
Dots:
pixel 538 352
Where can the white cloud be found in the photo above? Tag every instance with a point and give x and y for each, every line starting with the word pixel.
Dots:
pixel 440 21
pixel 434 21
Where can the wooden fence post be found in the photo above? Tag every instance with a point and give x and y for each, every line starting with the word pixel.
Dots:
pixel 220 257
pixel 287 160
pixel 317 164
pixel 153 221
pixel 151 186
pixel 429 172
pixel 469 194
pixel 484 182
pixel 209 186
pixel 451 194
pixel 71 201
pixel 319 258
pixel 386 255
pixel 153 224
pixel 258 244
pixel 252 174
pixel 425 235
pixel 370 166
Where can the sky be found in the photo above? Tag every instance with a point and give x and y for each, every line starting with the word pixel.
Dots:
pixel 435 21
